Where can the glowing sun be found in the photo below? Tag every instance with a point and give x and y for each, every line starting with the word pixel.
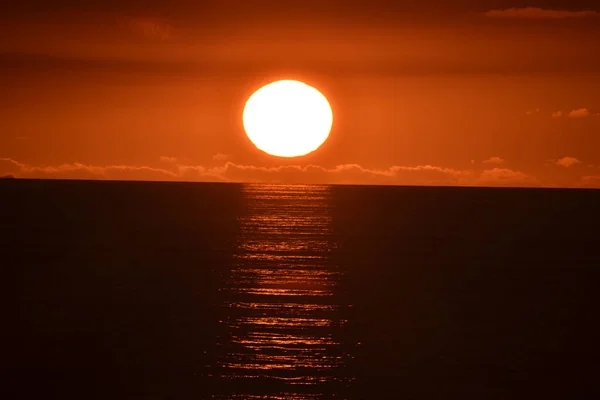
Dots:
pixel 287 118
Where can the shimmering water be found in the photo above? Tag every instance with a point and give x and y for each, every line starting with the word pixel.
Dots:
pixel 281 296
pixel 155 290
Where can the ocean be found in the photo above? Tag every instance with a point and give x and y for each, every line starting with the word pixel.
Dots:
pixel 141 290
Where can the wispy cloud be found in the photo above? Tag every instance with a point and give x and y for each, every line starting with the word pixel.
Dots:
pixel 344 173
pixel 579 113
pixel 220 157
pixel 231 172
pixel 85 171
pixel 168 159
pixel 591 181
pixel 149 27
pixel 506 177
pixel 539 13
pixel 567 162
pixel 494 160
pixel 557 114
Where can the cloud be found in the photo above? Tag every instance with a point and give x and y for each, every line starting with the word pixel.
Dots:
pixel 557 114
pixel 426 175
pixel 341 174
pixel 231 172
pixel 168 159
pixel 220 157
pixel 9 166
pixel 494 160
pixel 567 162
pixel 539 13
pixel 592 181
pixel 149 27
pixel 85 171
pixel 506 177
pixel 579 113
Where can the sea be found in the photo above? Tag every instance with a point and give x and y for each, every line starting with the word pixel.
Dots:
pixel 157 290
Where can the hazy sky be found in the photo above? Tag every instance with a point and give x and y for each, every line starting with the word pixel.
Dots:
pixel 490 92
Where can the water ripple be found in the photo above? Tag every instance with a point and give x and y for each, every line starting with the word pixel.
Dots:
pixel 280 297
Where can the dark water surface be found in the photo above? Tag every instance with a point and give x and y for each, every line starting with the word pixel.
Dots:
pixel 130 290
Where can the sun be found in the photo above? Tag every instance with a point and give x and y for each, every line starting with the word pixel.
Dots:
pixel 287 118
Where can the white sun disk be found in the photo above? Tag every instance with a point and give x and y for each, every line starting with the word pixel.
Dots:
pixel 287 118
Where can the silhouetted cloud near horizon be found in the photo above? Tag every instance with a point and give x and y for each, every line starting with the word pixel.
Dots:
pixel 421 175
pixel 85 171
pixel 567 162
pixel 340 174
pixel 539 13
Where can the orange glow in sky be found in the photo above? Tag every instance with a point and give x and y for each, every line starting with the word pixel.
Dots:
pixel 491 93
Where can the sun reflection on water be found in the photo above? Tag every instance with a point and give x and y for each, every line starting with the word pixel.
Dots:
pixel 280 299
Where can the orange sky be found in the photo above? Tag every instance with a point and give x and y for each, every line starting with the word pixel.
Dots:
pixel 432 93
